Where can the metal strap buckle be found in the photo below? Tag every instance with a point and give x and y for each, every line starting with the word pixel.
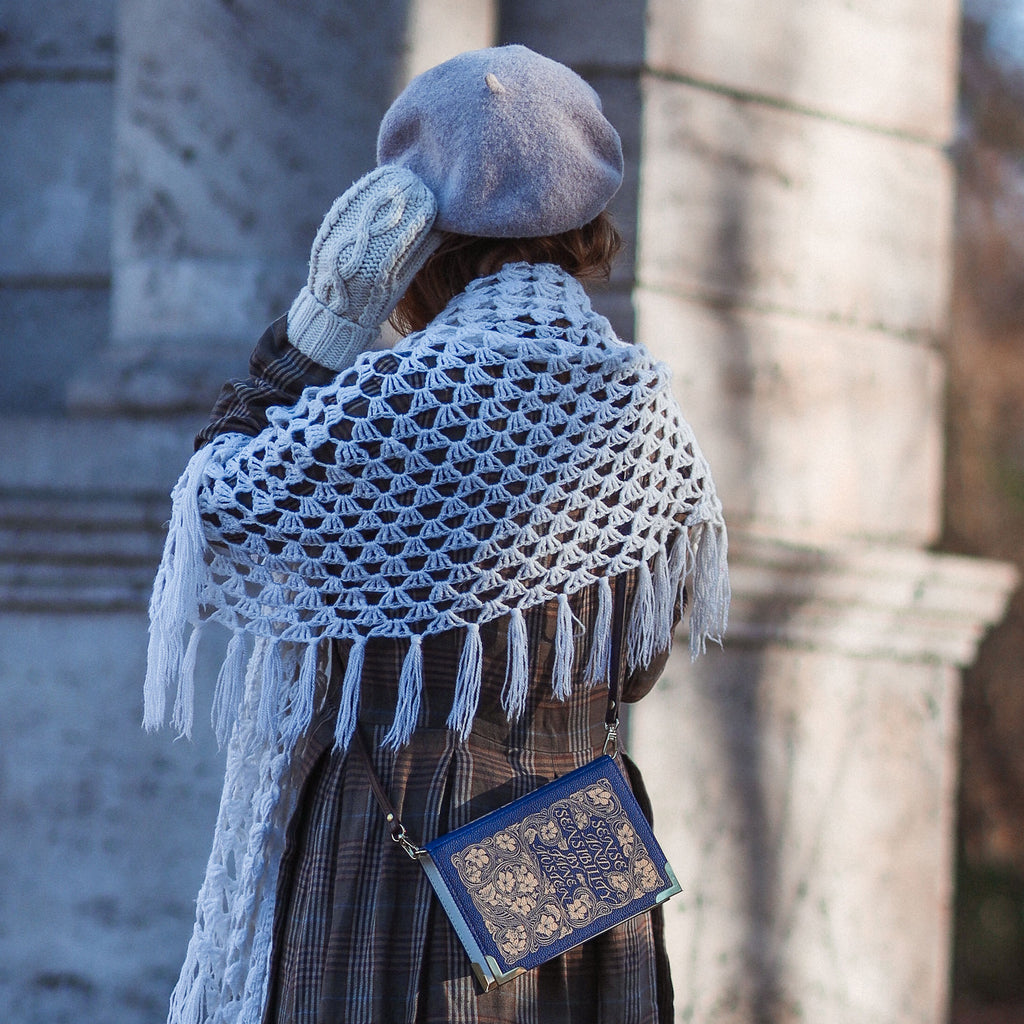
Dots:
pixel 399 835
pixel 612 739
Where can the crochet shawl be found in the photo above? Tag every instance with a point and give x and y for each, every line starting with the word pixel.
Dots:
pixel 512 453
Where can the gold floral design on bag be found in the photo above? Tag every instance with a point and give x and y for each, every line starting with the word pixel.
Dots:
pixel 558 870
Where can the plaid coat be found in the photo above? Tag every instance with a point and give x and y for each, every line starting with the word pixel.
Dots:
pixel 359 937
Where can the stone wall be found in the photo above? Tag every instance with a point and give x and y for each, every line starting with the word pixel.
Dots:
pixel 56 93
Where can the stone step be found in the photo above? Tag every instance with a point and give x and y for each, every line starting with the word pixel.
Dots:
pixel 83 508
pixel 74 530
pixel 82 511
pixel 113 547
pixel 67 587
pixel 83 514
pixel 65 555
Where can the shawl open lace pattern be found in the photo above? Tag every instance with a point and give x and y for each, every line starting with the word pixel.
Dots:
pixel 512 453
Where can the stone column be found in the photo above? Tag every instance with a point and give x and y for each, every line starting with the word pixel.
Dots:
pixel 790 203
pixel 56 93
pixel 236 125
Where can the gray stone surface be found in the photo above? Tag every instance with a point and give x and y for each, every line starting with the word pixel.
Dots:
pixel 438 29
pixel 56 92
pixel 139 458
pixel 786 205
pixel 230 149
pixel 55 178
pixel 815 430
pixel 768 208
pixel 622 105
pixel 40 36
pixel 803 785
pixel 67 552
pixel 105 829
pixel 883 63
pixel 595 34
pixel 805 801
pixel 163 377
pixel 53 332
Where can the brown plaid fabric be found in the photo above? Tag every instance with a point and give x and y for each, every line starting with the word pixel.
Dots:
pixel 359 935
pixel 278 372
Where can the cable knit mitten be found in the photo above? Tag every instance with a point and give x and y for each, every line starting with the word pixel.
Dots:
pixel 370 245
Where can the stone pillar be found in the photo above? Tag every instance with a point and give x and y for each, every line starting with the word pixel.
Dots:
pixel 790 204
pixel 56 95
pixel 237 123
pixel 804 784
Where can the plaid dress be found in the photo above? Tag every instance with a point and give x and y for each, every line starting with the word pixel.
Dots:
pixel 359 934
pixel 359 937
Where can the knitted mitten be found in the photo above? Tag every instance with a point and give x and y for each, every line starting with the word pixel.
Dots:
pixel 370 245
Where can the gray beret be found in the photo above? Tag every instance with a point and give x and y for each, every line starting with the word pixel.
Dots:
pixel 512 144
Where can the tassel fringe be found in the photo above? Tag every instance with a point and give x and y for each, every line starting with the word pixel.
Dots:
pixel 711 591
pixel 271 683
pixel 410 688
pixel 184 703
pixel 679 570
pixel 179 582
pixel 303 697
pixel 664 601
pixel 230 689
pixel 517 671
pixel 598 670
pixel 467 683
pixel 565 649
pixel 287 673
pixel 286 694
pixel 641 631
pixel 348 713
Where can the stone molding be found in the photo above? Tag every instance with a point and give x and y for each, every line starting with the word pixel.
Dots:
pixel 68 553
pixel 864 600
pixel 83 510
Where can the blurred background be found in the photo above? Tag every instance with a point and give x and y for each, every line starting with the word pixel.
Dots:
pixel 824 214
pixel 985 496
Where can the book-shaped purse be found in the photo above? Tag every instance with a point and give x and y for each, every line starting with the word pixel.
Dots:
pixel 548 871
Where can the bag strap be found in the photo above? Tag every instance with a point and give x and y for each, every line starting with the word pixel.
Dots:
pixel 611 724
pixel 611 715
pixel 394 823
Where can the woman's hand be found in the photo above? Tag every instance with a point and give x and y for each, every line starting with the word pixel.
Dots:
pixel 370 245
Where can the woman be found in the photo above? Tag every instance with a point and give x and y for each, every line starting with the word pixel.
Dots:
pixel 420 544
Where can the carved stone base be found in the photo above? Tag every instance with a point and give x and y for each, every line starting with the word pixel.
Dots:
pixel 803 782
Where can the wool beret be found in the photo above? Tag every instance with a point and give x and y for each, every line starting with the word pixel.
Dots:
pixel 511 143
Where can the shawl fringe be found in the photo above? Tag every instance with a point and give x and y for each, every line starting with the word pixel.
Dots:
pixel 348 714
pixel 468 681
pixel 517 668
pixel 174 604
pixel 288 670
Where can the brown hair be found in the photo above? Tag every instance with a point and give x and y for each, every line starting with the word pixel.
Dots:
pixel 585 252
